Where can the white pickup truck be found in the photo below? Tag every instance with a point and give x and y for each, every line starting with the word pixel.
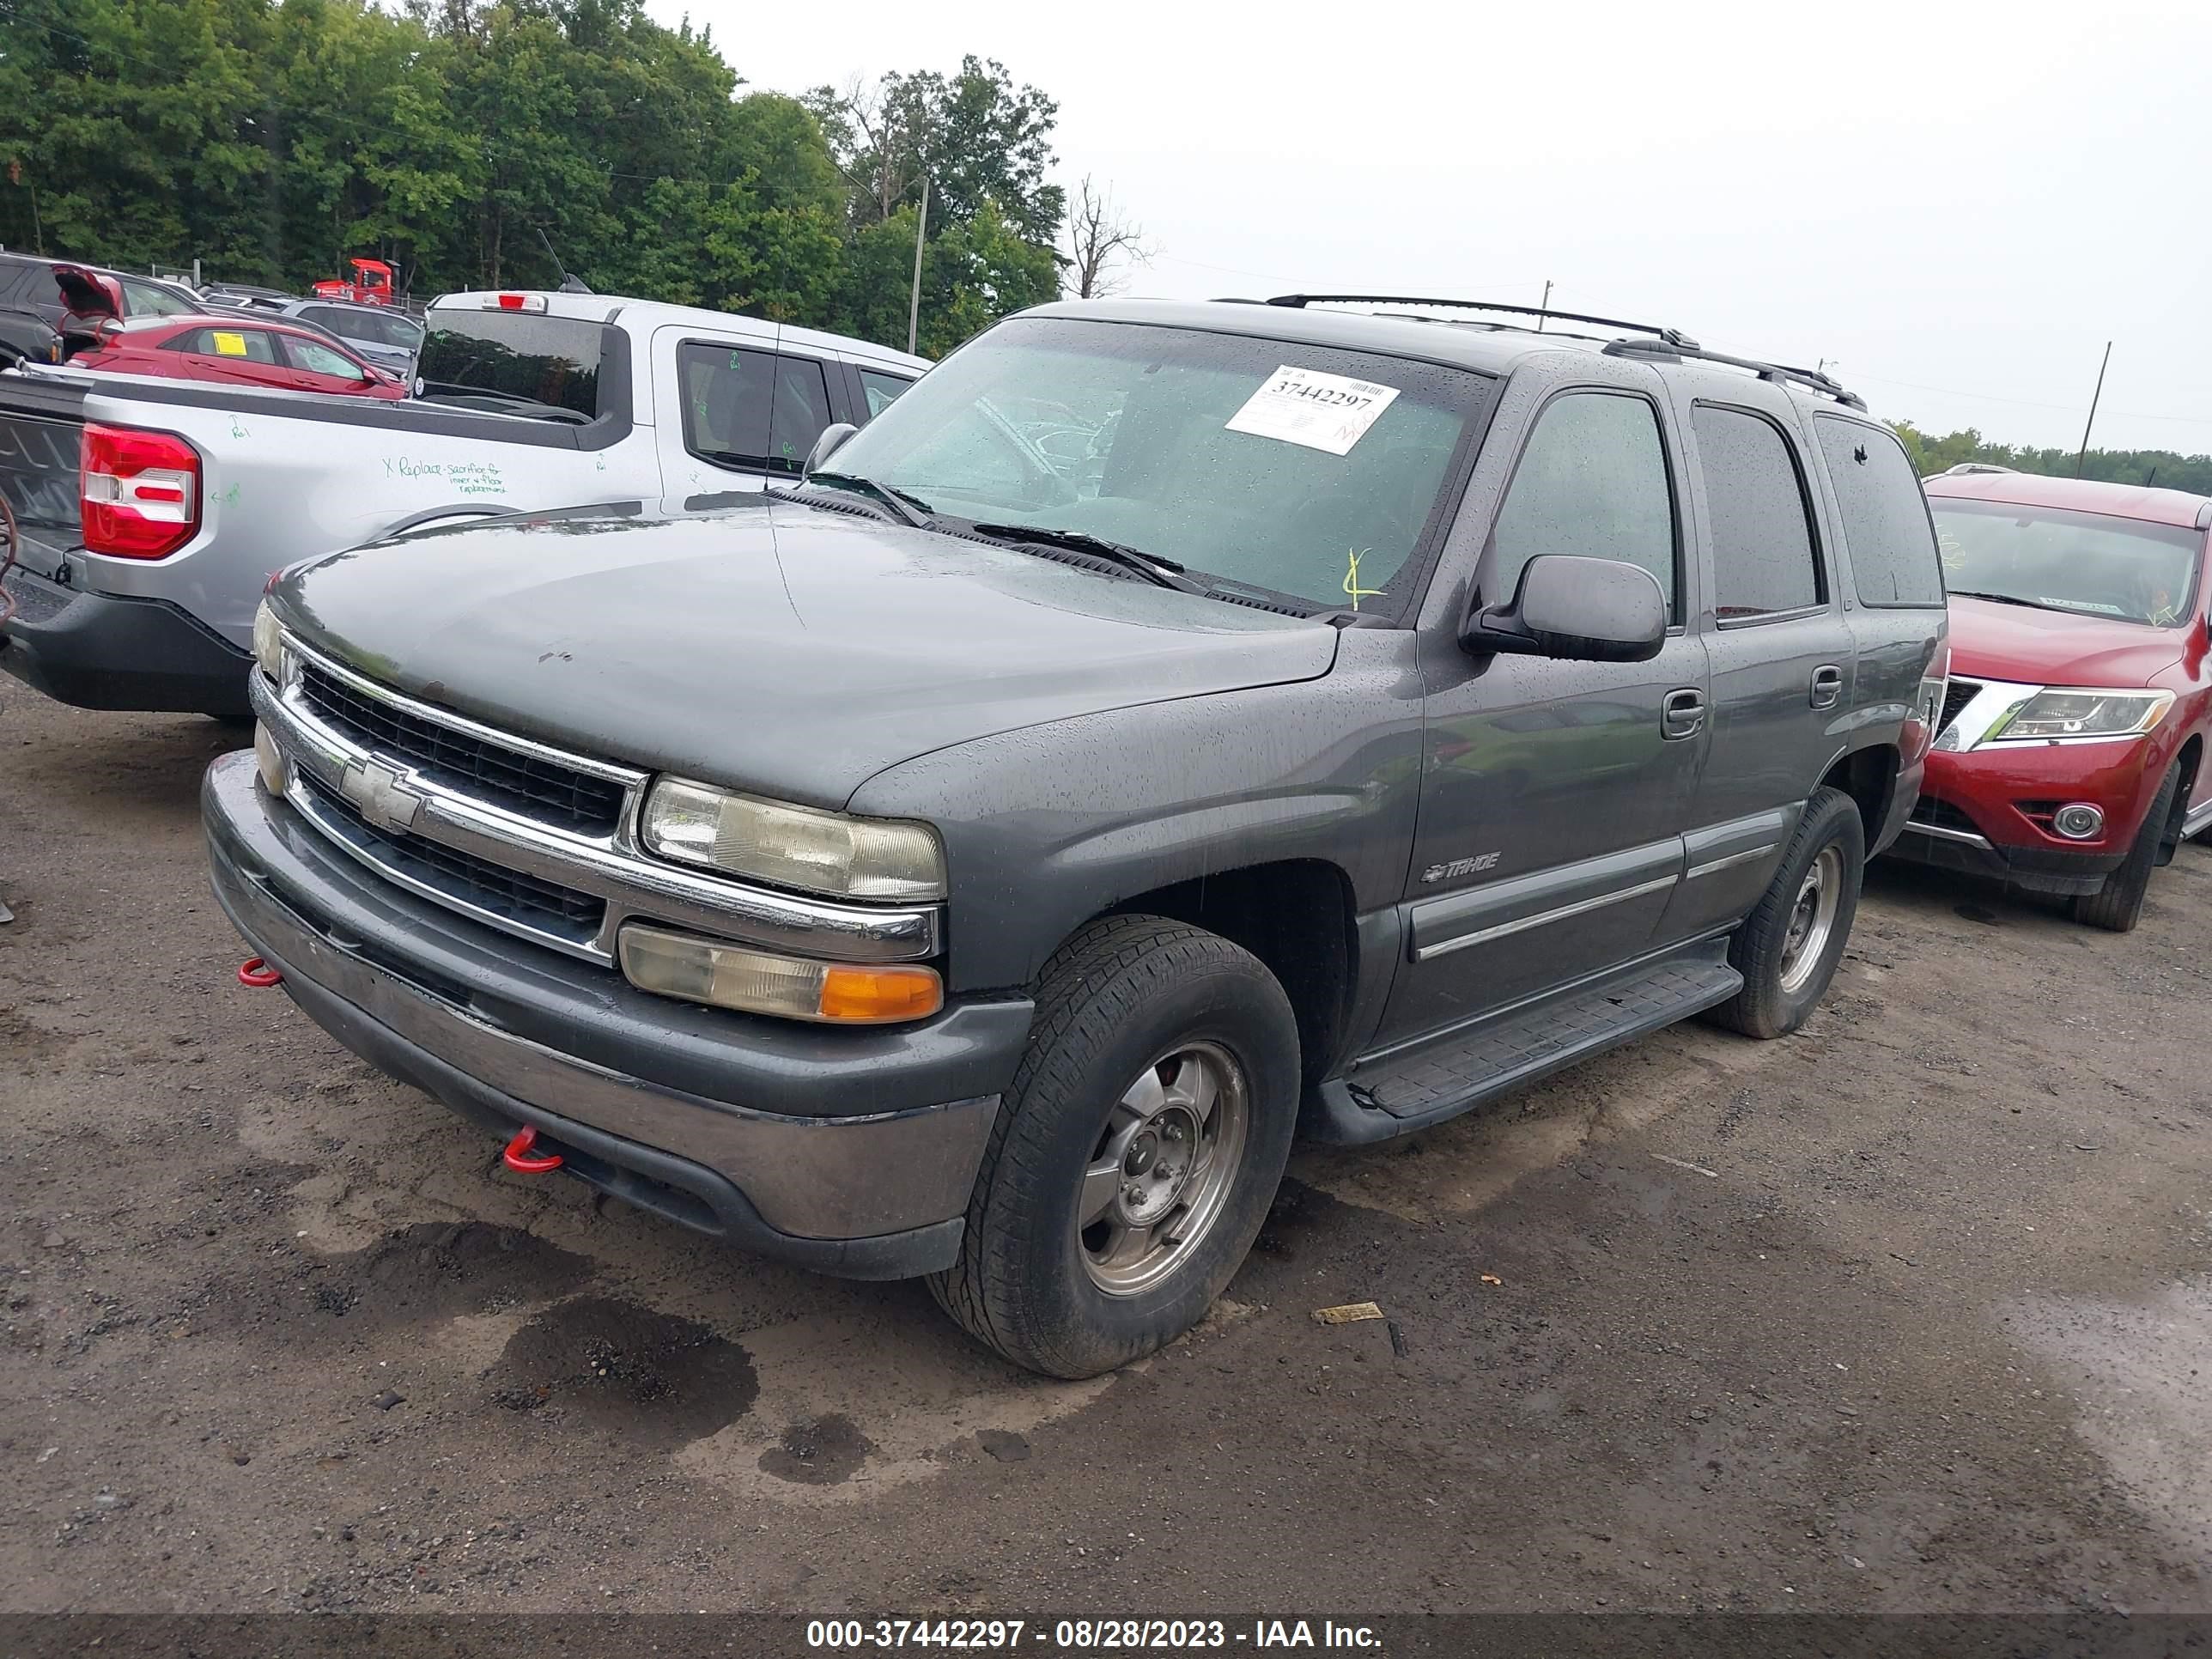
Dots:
pixel 152 514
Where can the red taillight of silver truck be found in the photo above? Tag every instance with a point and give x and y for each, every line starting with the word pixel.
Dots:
pixel 140 492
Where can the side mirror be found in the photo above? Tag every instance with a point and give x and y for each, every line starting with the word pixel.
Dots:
pixel 826 446
pixel 1576 609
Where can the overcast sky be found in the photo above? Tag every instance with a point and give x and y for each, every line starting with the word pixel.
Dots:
pixel 1955 203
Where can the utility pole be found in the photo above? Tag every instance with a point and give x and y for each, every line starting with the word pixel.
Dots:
pixel 914 306
pixel 2082 453
pixel 1543 305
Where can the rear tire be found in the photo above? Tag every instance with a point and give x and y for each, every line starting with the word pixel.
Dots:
pixel 1134 1158
pixel 2117 905
pixel 1788 947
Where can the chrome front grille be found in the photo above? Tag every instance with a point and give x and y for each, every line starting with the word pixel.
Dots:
pixel 481 887
pixel 536 840
pixel 1956 695
pixel 533 785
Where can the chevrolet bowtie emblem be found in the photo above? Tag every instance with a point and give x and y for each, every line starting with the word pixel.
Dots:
pixel 384 800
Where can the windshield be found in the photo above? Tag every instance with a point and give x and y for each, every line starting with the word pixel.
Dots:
pixel 2098 565
pixel 1199 447
pixel 514 362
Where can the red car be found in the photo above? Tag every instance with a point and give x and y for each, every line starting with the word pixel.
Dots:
pixel 2069 755
pixel 239 350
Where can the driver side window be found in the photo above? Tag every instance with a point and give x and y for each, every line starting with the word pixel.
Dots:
pixel 751 410
pixel 1593 482
pixel 317 359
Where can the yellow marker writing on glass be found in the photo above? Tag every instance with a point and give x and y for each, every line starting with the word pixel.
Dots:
pixel 1352 587
pixel 227 344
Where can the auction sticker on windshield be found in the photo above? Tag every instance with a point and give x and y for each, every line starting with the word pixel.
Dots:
pixel 1322 412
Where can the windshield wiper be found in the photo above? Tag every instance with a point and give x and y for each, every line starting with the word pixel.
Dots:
pixel 1163 573
pixel 912 510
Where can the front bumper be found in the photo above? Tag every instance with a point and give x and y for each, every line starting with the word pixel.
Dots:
pixel 1977 811
pixel 848 1152
pixel 97 651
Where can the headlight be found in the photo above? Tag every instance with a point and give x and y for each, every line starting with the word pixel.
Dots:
pixel 268 642
pixel 755 983
pixel 2063 712
pixel 792 846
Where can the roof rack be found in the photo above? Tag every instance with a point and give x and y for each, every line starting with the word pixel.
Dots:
pixel 1811 379
pixel 1665 343
pixel 1965 467
pixel 1674 337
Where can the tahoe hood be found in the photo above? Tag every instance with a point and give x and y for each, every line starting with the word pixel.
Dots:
pixel 775 648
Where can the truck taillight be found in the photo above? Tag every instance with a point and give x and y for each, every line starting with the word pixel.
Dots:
pixel 140 492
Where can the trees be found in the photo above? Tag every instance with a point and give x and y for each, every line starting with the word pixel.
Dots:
pixel 272 139
pixel 2165 468
pixel 1097 236
pixel 983 145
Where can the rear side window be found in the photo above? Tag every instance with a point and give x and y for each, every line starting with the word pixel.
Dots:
pixel 1592 482
pixel 751 408
pixel 882 390
pixel 249 346
pixel 1884 515
pixel 1762 526
pixel 363 324
pixel 514 362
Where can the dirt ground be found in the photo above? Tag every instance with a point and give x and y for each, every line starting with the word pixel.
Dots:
pixel 1908 1313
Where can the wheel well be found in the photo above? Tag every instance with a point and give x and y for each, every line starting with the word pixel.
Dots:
pixel 2191 757
pixel 1296 917
pixel 1868 776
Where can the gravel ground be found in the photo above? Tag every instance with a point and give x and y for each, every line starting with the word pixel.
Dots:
pixel 1907 1313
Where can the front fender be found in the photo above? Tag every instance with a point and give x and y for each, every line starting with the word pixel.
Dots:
pixel 1050 825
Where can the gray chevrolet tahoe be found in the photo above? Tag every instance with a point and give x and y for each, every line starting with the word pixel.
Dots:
pixel 1167 729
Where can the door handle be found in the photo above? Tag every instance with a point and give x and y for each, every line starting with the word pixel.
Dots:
pixel 1827 685
pixel 1681 715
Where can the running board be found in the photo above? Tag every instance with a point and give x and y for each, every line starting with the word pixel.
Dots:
pixel 1405 1092
pixel 2197 821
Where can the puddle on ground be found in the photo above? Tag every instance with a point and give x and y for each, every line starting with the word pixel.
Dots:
pixel 823 1453
pixel 853 1404
pixel 2138 1372
pixel 657 1381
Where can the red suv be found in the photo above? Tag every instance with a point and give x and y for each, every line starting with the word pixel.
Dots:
pixel 2068 753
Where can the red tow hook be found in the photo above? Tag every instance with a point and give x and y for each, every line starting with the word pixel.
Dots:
pixel 519 1158
pixel 258 974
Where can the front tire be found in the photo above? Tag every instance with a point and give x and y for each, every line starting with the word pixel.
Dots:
pixel 2117 905
pixel 1136 1154
pixel 1789 948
